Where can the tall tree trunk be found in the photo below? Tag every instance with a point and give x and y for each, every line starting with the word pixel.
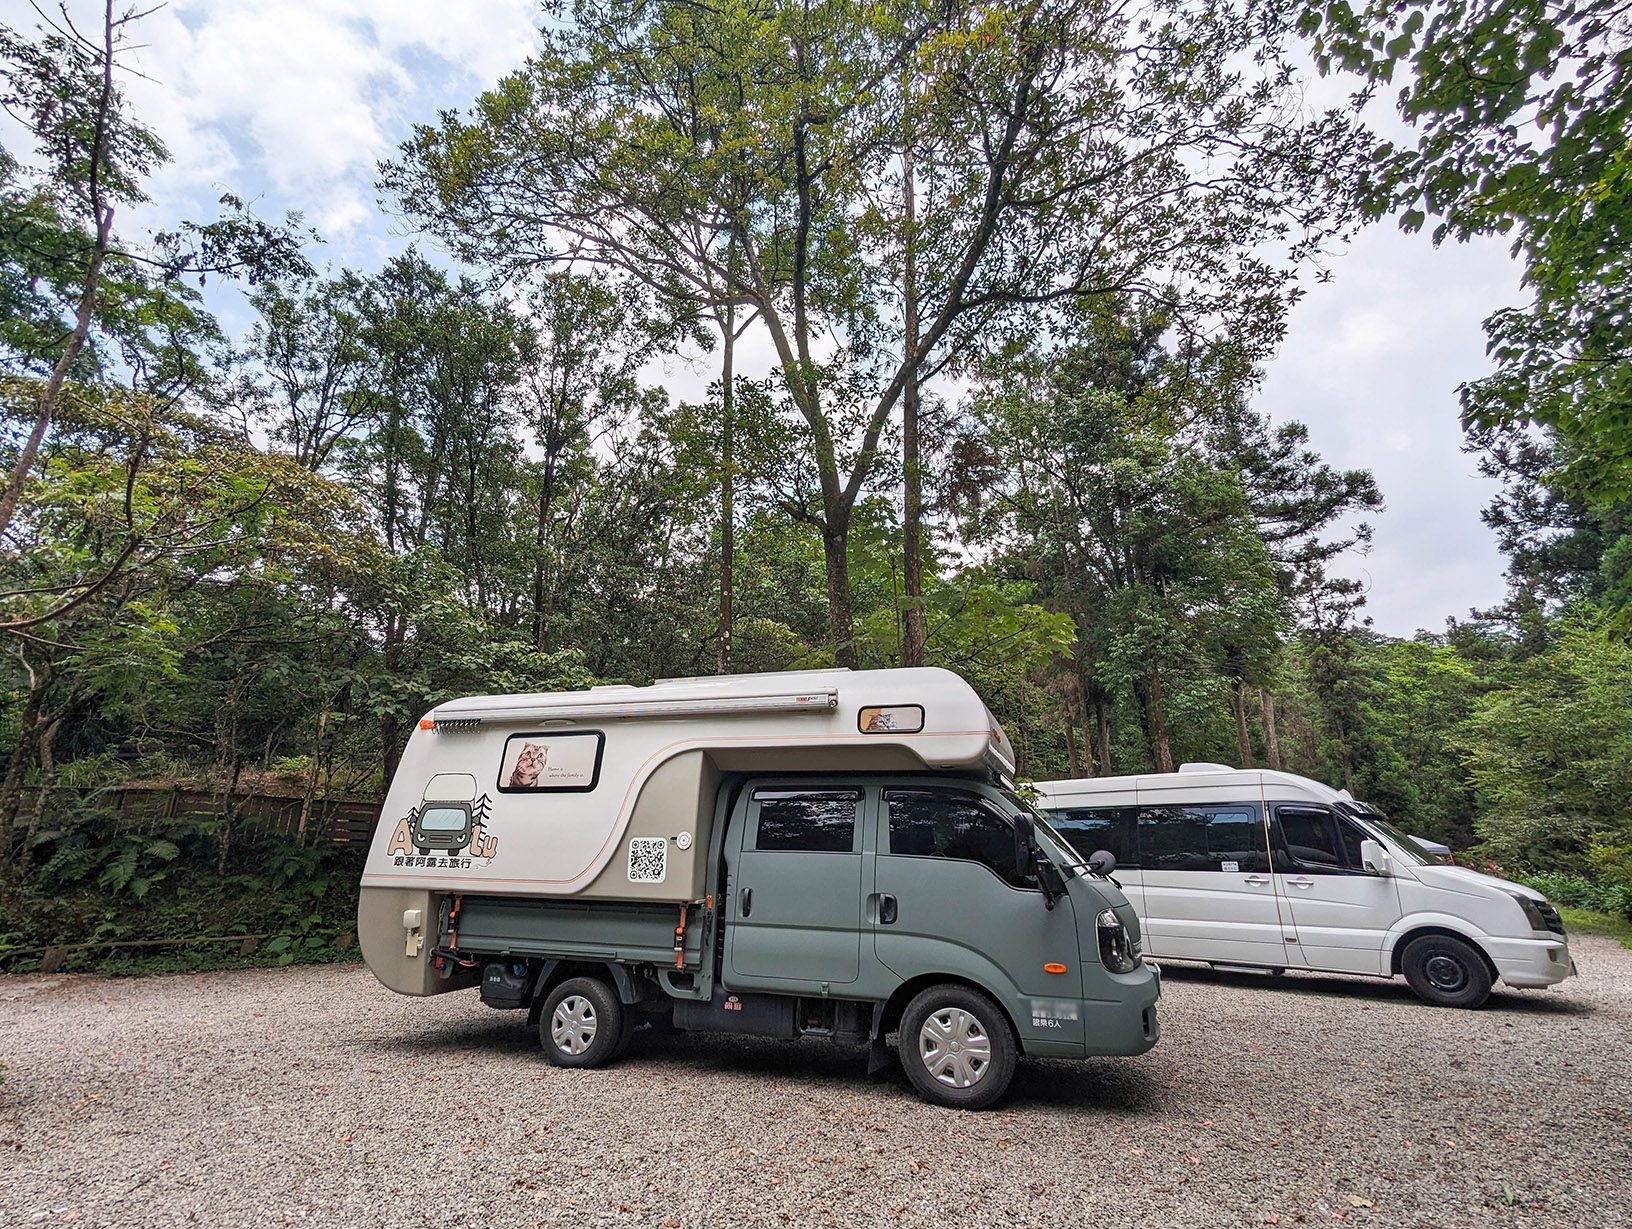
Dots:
pixel 1238 705
pixel 229 812
pixel 1102 731
pixel 48 778
pixel 1272 742
pixel 103 216
pixel 912 634
pixel 310 795
pixel 546 501
pixel 841 619
pixel 1073 763
pixel 1156 712
pixel 728 486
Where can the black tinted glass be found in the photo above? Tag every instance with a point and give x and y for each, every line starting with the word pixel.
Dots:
pixel 1093 828
pixel 1309 836
pixel 1202 838
pixel 808 823
pixel 937 825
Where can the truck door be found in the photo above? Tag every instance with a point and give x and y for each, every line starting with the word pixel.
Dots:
pixel 950 899
pixel 794 911
pixel 1342 911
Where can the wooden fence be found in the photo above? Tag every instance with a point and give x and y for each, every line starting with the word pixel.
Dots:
pixel 344 821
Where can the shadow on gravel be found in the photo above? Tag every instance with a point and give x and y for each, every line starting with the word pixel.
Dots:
pixel 1109 1086
pixel 1534 1002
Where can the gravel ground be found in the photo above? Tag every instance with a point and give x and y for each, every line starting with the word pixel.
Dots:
pixel 313 1096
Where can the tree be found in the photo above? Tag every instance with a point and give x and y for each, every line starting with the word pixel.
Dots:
pixel 653 141
pixel 57 237
pixel 1522 107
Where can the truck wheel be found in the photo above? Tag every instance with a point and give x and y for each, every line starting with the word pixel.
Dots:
pixel 956 1047
pixel 1446 972
pixel 581 1024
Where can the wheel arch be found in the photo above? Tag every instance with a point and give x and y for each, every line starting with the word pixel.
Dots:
pixel 895 1006
pixel 1425 930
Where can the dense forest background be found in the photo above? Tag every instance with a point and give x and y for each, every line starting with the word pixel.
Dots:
pixel 1021 271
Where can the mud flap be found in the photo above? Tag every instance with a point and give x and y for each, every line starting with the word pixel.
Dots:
pixel 878 1054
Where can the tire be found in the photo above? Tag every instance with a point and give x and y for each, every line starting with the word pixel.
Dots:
pixel 1446 972
pixel 957 1048
pixel 582 1024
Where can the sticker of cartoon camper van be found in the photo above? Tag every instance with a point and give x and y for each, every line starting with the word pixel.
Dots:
pixel 450 818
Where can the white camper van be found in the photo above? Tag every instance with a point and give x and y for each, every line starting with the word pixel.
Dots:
pixel 826 853
pixel 1271 871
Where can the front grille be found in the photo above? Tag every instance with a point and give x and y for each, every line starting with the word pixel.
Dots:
pixel 1549 914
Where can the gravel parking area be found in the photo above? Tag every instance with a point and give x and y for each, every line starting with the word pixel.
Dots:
pixel 313 1096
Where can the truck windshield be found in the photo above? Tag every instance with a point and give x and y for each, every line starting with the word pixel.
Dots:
pixel 1039 820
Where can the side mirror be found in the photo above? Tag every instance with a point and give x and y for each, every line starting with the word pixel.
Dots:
pixel 1102 862
pixel 1374 857
pixel 1025 845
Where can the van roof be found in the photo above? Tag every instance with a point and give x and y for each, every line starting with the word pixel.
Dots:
pixel 1198 776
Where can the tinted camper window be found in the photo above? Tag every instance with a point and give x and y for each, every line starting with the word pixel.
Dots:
pixel 1092 828
pixel 1202 838
pixel 807 822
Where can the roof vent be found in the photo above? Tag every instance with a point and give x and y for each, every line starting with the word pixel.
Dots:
pixel 1205 766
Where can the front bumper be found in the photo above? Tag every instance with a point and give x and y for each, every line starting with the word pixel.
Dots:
pixel 1531 963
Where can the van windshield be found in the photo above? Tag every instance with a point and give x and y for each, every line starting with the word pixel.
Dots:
pixel 1368 814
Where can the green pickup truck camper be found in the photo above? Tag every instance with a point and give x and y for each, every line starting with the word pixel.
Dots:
pixel 828 853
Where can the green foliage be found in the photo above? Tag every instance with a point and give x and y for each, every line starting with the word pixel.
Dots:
pixel 1547 753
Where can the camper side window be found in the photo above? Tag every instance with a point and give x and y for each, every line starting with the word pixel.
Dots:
pixel 807 822
pixel 1202 838
pixel 1093 828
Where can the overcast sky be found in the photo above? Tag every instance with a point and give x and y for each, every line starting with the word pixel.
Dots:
pixel 291 103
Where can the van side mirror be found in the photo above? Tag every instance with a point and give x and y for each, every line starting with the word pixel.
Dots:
pixel 1374 857
pixel 1101 862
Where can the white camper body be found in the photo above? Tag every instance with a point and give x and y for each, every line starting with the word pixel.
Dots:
pixel 1269 870
pixel 609 793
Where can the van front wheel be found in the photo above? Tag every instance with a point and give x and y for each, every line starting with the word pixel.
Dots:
pixel 581 1024
pixel 956 1047
pixel 1446 972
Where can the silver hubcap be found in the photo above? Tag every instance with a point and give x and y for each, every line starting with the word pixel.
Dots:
pixel 1446 973
pixel 955 1048
pixel 572 1024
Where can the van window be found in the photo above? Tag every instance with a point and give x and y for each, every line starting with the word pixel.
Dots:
pixel 1309 838
pixel 939 824
pixel 1092 828
pixel 800 822
pixel 1202 838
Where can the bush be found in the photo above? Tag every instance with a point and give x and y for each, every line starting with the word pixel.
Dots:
pixel 1580 892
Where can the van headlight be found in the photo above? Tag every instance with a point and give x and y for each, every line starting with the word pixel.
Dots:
pixel 1536 911
pixel 1115 947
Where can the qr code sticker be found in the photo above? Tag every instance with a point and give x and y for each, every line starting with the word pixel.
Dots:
pixel 648 859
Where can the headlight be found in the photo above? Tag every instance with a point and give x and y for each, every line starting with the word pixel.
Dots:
pixel 1532 912
pixel 1115 948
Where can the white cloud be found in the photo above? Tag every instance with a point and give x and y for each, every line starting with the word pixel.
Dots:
pixel 302 98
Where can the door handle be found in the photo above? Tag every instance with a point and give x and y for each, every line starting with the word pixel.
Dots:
pixel 747 902
pixel 886 909
pixel 1256 881
pixel 1301 882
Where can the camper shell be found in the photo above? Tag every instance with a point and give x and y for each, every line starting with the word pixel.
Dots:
pixel 780 854
pixel 1267 870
